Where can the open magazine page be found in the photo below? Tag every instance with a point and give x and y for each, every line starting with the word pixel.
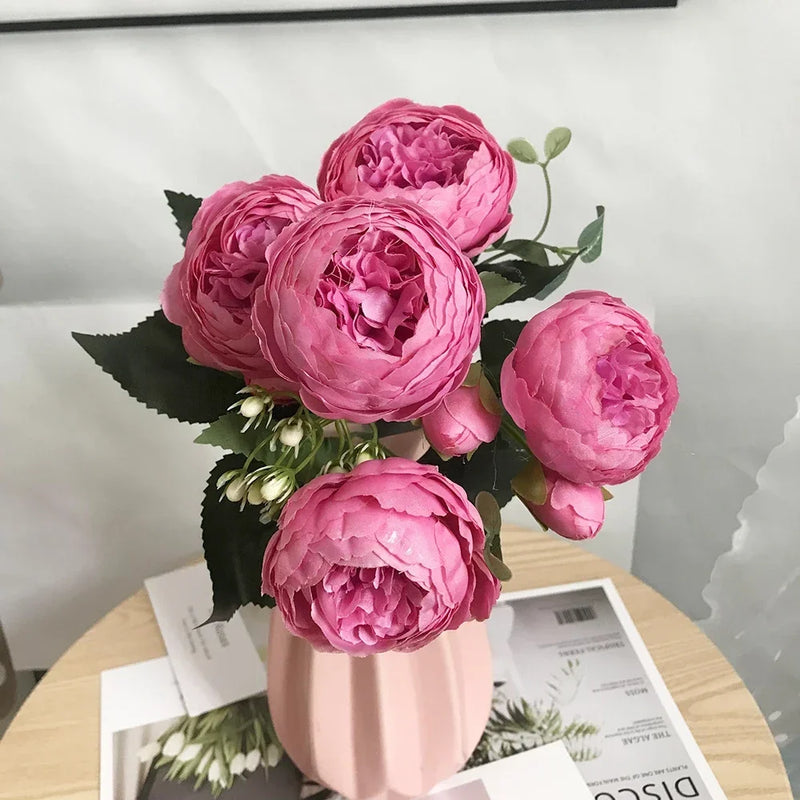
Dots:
pixel 570 666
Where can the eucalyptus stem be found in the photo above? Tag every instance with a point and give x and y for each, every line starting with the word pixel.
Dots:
pixel 549 191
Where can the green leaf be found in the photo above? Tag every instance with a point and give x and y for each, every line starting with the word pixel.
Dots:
pixel 490 469
pixel 556 142
pixel 498 338
pixel 183 207
pixel 150 364
pixel 226 432
pixel 498 568
pixel 490 513
pixel 234 542
pixel 497 288
pixel 526 249
pixel 522 150
pixel 537 281
pixel 530 484
pixel 591 239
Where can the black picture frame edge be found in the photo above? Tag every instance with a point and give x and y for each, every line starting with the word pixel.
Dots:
pixel 326 14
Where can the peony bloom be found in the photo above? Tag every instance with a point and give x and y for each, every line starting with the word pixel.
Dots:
pixel 385 557
pixel 461 423
pixel 439 157
pixel 371 308
pixel 590 385
pixel 209 292
pixel 572 510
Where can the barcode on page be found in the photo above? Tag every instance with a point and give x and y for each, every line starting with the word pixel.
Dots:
pixel 567 616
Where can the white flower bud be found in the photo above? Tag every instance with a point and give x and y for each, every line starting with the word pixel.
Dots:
pixel 236 490
pixel 251 407
pixel 254 495
pixel 337 470
pixel 275 488
pixel 274 754
pixel 214 772
pixel 364 456
pixel 252 760
pixel 291 435
pixel 189 753
pixel 148 752
pixel 204 762
pixel 174 744
pixel 237 764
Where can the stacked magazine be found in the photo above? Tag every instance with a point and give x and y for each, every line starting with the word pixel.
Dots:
pixel 579 711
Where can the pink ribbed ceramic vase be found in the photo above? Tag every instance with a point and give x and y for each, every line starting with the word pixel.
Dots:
pixel 383 727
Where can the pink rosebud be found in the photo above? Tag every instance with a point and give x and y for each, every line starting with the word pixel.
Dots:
pixel 385 557
pixel 209 292
pixel 441 158
pixel 590 385
pixel 461 423
pixel 572 510
pixel 371 308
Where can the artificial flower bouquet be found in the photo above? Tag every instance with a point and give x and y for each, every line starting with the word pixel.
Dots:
pixel 329 342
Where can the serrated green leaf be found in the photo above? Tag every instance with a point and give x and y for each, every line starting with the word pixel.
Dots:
pixel 149 362
pixel 497 289
pixel 590 241
pixel 537 281
pixel 183 207
pixel 522 150
pixel 234 542
pixel 556 142
pixel 226 432
pixel 498 338
pixel 527 250
pixel 498 568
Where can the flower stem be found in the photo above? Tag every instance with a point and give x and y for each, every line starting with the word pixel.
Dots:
pixel 549 191
pixel 513 432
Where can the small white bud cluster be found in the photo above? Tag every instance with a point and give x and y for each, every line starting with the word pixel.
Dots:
pixel 256 407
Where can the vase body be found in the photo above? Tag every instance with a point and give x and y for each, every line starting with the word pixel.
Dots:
pixel 382 727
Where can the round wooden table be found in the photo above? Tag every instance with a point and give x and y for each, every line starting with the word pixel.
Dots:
pixel 51 749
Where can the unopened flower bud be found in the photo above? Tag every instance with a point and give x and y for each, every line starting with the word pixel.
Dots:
pixel 236 490
pixel 336 470
pixel 148 752
pixel 254 495
pixel 189 753
pixel 291 435
pixel 252 760
pixel 174 744
pixel 204 762
pixel 364 456
pixel 252 406
pixel 274 754
pixel 275 488
pixel 214 772
pixel 237 764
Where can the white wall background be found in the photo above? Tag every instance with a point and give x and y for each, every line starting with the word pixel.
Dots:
pixel 685 126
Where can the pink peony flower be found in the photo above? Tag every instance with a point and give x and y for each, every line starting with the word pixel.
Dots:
pixel 209 292
pixel 371 308
pixel 572 510
pixel 461 423
pixel 590 385
pixel 385 557
pixel 439 157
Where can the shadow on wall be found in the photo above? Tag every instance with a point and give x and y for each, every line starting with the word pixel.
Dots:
pixel 754 594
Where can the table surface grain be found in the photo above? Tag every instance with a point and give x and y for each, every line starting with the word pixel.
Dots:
pixel 51 749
